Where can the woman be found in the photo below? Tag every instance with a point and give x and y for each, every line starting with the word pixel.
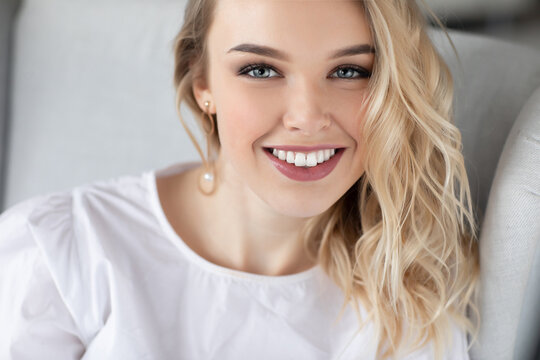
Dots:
pixel 330 217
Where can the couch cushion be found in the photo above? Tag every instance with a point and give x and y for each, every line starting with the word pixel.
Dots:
pixel 493 80
pixel 508 244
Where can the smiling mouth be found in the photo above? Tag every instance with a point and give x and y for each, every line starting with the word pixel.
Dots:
pixel 304 159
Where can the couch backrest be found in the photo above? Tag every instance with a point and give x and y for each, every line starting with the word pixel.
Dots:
pixel 510 246
pixel 493 80
pixel 92 94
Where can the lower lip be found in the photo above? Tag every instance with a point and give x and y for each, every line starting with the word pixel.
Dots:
pixel 305 173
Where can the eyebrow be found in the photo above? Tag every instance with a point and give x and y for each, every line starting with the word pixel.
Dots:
pixel 277 54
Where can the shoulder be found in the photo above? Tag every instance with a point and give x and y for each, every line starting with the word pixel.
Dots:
pixel 64 217
pixel 63 243
pixel 455 346
pixel 33 304
pixel 458 344
pixel 19 223
pixel 83 222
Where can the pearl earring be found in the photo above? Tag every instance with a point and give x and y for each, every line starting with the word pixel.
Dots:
pixel 207 183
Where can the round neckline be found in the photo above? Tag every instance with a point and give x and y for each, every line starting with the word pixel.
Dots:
pixel 198 260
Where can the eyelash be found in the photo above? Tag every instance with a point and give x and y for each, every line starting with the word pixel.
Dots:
pixel 363 73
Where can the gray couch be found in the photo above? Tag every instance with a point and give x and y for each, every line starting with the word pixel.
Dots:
pixel 86 94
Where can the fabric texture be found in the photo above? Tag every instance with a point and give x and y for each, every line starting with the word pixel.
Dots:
pixel 99 273
pixel 510 238
pixel 492 81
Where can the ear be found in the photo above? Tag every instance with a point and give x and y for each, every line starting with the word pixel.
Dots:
pixel 202 94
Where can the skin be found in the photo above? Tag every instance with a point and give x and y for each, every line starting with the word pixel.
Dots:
pixel 257 209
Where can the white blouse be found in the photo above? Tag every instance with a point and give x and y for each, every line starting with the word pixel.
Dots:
pixel 98 273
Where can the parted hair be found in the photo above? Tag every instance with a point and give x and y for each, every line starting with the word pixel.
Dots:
pixel 401 242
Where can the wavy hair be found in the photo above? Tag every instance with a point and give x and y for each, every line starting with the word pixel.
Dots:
pixel 402 241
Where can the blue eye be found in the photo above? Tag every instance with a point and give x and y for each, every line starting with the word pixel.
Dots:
pixel 265 71
pixel 258 71
pixel 351 72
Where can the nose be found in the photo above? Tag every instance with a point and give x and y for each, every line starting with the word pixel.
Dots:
pixel 305 111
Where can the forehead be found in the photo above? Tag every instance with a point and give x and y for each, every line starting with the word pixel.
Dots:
pixel 295 26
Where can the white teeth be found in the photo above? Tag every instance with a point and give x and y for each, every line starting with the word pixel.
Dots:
pixel 311 159
pixel 326 154
pixel 320 156
pixel 302 159
pixel 290 157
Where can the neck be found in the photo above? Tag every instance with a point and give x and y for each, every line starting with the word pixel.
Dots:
pixel 244 233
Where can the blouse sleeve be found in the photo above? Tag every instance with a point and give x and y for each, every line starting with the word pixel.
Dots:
pixel 35 322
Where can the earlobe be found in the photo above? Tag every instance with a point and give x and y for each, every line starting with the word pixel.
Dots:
pixel 203 95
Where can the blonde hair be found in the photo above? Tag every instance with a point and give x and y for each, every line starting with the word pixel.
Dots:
pixel 401 241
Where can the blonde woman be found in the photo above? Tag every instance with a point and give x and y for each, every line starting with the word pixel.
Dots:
pixel 330 217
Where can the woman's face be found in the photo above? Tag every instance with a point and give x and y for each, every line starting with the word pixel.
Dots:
pixel 287 80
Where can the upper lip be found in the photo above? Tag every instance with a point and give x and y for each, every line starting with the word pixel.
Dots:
pixel 301 148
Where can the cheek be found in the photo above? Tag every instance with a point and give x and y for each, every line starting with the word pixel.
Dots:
pixel 355 127
pixel 349 112
pixel 244 116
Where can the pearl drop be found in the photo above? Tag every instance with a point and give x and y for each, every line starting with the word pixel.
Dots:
pixel 208 177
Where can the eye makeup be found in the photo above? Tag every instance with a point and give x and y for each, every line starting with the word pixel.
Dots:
pixel 257 67
pixel 362 72
pixel 343 70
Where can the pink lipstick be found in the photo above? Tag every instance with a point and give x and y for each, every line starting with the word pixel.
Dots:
pixel 304 173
